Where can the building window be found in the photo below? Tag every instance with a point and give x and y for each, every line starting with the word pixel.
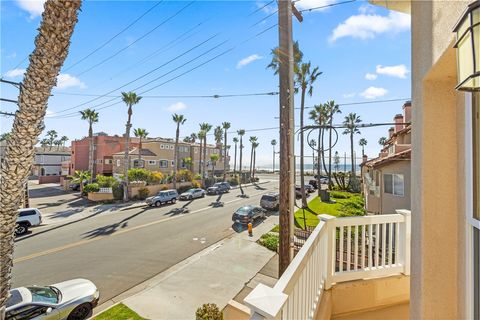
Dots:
pixel 108 161
pixel 163 163
pixel 138 163
pixel 118 163
pixel 162 146
pixel 152 162
pixel 173 163
pixel 394 184
pixel 172 147
pixel 99 161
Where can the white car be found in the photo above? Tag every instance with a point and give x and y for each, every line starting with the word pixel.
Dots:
pixel 27 217
pixel 68 300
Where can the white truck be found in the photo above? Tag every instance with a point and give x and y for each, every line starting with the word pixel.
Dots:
pixel 27 217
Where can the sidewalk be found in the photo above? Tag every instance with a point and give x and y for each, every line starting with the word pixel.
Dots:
pixel 214 275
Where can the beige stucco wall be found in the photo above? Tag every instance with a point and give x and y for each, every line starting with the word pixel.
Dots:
pixel 97 196
pixel 438 224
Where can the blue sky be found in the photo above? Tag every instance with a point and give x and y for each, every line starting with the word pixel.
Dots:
pixel 362 50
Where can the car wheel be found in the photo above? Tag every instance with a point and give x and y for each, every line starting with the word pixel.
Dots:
pixel 158 203
pixel 81 312
pixel 21 229
pixel 173 200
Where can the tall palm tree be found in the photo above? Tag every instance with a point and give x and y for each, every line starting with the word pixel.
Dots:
pixel 382 141
pixel 363 142
pixel 213 160
pixel 64 139
pixel 51 48
pixel 275 63
pixel 273 143
pixel 225 126
pixel 351 123
pixel 140 134
pixel 91 116
pixel 313 144
pixel 130 99
pixel 331 109
pixel 201 135
pixel 44 143
pixel 179 119
pixel 319 116
pixel 52 135
pixel 241 133
pixel 252 140
pixel 205 127
pixel 305 79
pixel 254 147
pixel 235 140
pixel 218 133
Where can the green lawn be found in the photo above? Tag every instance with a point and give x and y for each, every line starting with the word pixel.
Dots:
pixel 350 206
pixel 119 312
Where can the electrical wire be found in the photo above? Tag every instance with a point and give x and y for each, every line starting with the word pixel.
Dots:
pixel 326 6
pixel 216 96
pixel 261 8
pixel 263 19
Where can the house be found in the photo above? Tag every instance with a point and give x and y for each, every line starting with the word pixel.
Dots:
pixel 387 178
pixel 48 161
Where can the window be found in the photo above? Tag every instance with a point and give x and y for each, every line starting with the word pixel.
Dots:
pixel 162 146
pixel 138 163
pixel 99 161
pixel 172 147
pixel 393 184
pixel 173 163
pixel 152 162
pixel 163 163
pixel 118 163
pixel 27 213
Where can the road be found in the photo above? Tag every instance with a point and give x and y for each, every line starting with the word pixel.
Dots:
pixel 120 249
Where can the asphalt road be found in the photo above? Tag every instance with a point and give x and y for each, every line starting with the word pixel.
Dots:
pixel 120 250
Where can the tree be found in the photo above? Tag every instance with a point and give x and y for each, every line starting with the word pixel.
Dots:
pixel 80 177
pixel 213 160
pixel 140 134
pixel 252 140
pixel 319 116
pixel 64 139
pixel 44 143
pixel 91 116
pixel 363 142
pixel 235 140
pixel 275 63
pixel 313 144
pixel 130 99
pixel 179 119
pixel 225 126
pixel 205 127
pixel 273 143
pixel 254 147
pixel 191 138
pixel 241 133
pixel 218 133
pixel 51 48
pixel 57 143
pixel 351 123
pixel 201 135
pixel 188 162
pixel 331 109
pixel 5 136
pixel 336 161
pixel 382 141
pixel 52 135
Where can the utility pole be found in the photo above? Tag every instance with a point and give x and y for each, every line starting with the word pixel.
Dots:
pixel 287 126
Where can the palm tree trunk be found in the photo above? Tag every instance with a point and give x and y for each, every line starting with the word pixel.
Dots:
pixel 235 161
pixel 51 49
pixel 126 157
pixel 319 171
pixel 177 136
pixel 302 151
pixel 352 156
pixel 225 157
pixel 90 151
pixel 240 161
pixel 140 152
pixel 204 159
pixel 200 159
pixel 251 162
pixel 330 184
pixel 254 162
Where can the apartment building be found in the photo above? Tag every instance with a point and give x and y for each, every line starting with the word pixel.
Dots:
pixel 48 161
pixel 387 178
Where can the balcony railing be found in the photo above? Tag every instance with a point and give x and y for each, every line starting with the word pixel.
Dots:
pixel 338 250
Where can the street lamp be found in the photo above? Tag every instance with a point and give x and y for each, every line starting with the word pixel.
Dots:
pixel 468 48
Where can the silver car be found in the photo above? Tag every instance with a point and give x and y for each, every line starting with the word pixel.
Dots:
pixel 192 194
pixel 163 197
pixel 69 300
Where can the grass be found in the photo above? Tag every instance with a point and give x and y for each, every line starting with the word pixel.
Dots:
pixel 276 229
pixel 347 204
pixel 269 241
pixel 119 312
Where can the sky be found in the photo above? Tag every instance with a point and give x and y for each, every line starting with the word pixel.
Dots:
pixel 206 48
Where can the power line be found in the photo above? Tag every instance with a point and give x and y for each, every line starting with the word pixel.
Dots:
pixel 216 96
pixel 261 8
pixel 115 36
pixel 328 5
pixel 137 40
pixel 263 19
pixel 364 102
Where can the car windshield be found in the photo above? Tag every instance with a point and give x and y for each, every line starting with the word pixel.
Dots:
pixel 15 298
pixel 243 211
pixel 190 191
pixel 217 184
pixel 268 198
pixel 45 294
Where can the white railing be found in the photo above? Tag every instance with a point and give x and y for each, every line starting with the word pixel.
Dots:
pixel 338 250
pixel 105 190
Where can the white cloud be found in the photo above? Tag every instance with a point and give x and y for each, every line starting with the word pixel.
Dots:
pixel 367 26
pixel 64 80
pixel 370 76
pixel 177 107
pixel 242 63
pixel 308 4
pixel 34 7
pixel 399 71
pixel 267 9
pixel 349 95
pixel 374 92
pixel 14 73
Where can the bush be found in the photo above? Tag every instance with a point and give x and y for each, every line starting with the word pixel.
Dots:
pixel 233 181
pixel 197 177
pixel 269 241
pixel 340 195
pixel 155 177
pixel 208 311
pixel 354 206
pixel 138 174
pixel 91 187
pixel 185 175
pixel 117 190
pixel 143 193
pixel 106 181
pixel 196 184
pixel 276 229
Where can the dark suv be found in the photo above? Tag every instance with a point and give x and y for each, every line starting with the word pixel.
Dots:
pixel 270 201
pixel 219 187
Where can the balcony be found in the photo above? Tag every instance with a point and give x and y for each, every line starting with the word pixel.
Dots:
pixel 349 268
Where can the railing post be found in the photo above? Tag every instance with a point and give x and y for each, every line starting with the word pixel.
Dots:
pixel 405 235
pixel 330 249
pixel 265 302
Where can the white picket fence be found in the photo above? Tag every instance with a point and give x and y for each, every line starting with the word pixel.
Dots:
pixel 338 250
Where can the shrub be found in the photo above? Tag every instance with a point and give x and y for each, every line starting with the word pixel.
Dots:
pixel 208 311
pixel 354 206
pixel 138 174
pixel 233 181
pixel 155 177
pixel 197 177
pixel 276 229
pixel 106 181
pixel 269 241
pixel 185 175
pixel 91 187
pixel 143 193
pixel 340 195
pixel 117 190
pixel 196 184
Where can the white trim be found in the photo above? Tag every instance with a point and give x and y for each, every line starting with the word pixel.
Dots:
pixel 160 163
pixel 471 222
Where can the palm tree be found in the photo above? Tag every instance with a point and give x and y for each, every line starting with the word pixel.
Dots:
pixel 44 143
pixel 5 136
pixel 363 142
pixel 319 116
pixel 235 140
pixel 130 99
pixel 201 135
pixel 252 140
pixel 92 117
pixel 241 133
pixel 382 141
pixel 51 48
pixel 64 139
pixel 213 160
pixel 336 161
pixel 57 143
pixel 331 109
pixel 205 127
pixel 191 138
pixel 254 147
pixel 179 119
pixel 273 143
pixel 225 126
pixel 188 162
pixel 275 63
pixel 351 123
pixel 80 177
pixel 313 144
pixel 218 133
pixel 140 134
pixel 52 135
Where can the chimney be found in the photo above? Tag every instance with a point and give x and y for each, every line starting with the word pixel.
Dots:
pixel 391 131
pixel 398 122
pixel 407 111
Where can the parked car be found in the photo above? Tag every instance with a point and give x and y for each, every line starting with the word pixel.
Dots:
pixel 323 180
pixel 219 187
pixel 247 214
pixel 76 186
pixel 313 183
pixel 27 217
pixel 270 201
pixel 192 194
pixel 72 300
pixel 163 197
pixel 309 188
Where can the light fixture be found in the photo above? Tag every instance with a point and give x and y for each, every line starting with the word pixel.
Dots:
pixel 468 48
